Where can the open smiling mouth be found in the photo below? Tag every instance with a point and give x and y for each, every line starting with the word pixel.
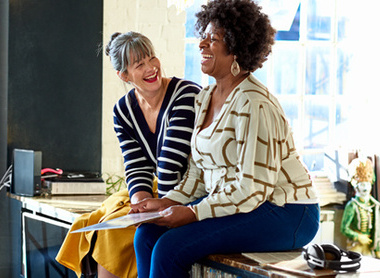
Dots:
pixel 152 78
pixel 206 57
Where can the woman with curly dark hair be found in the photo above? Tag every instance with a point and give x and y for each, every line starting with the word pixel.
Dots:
pixel 245 189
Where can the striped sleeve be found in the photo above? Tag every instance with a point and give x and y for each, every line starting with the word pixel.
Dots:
pixel 138 169
pixel 173 155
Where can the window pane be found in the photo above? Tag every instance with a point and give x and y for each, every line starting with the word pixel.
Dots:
pixel 316 123
pixel 343 126
pixel 284 17
pixel 293 34
pixel 314 162
pixel 191 19
pixel 344 10
pixel 343 70
pixel 286 59
pixel 291 107
pixel 319 17
pixel 318 63
pixel 193 63
pixel 262 74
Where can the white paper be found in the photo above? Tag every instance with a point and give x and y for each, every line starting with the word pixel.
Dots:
pixel 265 258
pixel 122 222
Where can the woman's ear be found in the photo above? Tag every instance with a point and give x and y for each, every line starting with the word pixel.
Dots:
pixel 123 76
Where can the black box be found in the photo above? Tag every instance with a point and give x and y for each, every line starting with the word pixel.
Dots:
pixel 26 172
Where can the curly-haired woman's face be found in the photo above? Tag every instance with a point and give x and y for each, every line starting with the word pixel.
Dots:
pixel 216 61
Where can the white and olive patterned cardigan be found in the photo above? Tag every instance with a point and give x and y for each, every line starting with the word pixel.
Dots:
pixel 244 158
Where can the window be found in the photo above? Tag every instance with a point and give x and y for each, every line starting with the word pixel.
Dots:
pixel 310 71
pixel 192 65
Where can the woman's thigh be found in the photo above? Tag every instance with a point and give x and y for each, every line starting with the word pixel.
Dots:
pixel 268 228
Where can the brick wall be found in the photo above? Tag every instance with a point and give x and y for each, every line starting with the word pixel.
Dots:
pixel 165 26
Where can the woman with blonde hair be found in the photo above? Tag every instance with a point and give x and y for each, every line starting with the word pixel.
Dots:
pixel 153 122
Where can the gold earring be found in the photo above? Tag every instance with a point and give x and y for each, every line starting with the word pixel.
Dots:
pixel 235 68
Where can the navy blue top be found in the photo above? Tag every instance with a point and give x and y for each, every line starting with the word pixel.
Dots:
pixel 163 153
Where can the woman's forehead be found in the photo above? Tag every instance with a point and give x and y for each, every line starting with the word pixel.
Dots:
pixel 211 28
pixel 137 55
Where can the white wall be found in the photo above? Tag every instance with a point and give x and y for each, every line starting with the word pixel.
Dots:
pixel 166 29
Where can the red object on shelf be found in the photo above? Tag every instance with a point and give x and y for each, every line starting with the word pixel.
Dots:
pixel 50 170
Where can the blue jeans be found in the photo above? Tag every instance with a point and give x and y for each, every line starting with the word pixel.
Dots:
pixel 164 252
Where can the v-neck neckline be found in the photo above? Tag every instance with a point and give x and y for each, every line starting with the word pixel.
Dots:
pixel 206 104
pixel 222 111
pixel 139 114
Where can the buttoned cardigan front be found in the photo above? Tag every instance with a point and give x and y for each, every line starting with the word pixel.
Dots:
pixel 244 158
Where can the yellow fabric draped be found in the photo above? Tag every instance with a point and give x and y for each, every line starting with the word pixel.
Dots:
pixel 113 249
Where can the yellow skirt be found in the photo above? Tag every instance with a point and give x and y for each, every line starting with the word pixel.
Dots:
pixel 113 248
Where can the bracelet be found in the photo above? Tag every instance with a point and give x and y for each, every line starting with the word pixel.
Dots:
pixel 193 210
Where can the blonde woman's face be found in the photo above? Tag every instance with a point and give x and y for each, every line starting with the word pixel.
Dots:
pixel 145 75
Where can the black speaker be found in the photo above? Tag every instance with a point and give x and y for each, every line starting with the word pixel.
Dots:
pixel 330 256
pixel 26 172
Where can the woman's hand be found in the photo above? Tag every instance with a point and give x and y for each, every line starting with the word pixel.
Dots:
pixel 176 216
pixel 139 196
pixel 152 204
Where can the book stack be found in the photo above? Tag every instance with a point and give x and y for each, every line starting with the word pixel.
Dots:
pixel 327 193
pixel 74 184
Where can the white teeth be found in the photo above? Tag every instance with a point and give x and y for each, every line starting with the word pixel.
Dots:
pixel 152 76
pixel 206 56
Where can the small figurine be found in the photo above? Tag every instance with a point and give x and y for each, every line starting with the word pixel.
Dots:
pixel 361 214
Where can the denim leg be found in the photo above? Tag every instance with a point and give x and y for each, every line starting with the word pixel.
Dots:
pixel 145 239
pixel 267 228
pixel 308 225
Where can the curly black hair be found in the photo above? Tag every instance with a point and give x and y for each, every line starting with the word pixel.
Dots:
pixel 248 32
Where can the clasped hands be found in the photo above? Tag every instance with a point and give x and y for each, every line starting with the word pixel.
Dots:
pixel 174 213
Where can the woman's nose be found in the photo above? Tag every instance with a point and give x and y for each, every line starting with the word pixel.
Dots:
pixel 203 42
pixel 151 66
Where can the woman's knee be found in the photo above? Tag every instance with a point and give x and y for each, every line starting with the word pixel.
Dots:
pixel 142 237
pixel 165 247
pixel 147 235
pixel 170 259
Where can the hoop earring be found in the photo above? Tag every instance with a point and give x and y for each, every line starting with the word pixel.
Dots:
pixel 235 68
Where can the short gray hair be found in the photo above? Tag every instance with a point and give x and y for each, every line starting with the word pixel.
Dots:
pixel 127 49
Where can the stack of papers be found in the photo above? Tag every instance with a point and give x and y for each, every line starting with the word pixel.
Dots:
pixel 122 222
pixel 290 262
pixel 293 262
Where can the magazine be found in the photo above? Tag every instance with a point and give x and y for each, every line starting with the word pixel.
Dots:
pixel 292 261
pixel 122 221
